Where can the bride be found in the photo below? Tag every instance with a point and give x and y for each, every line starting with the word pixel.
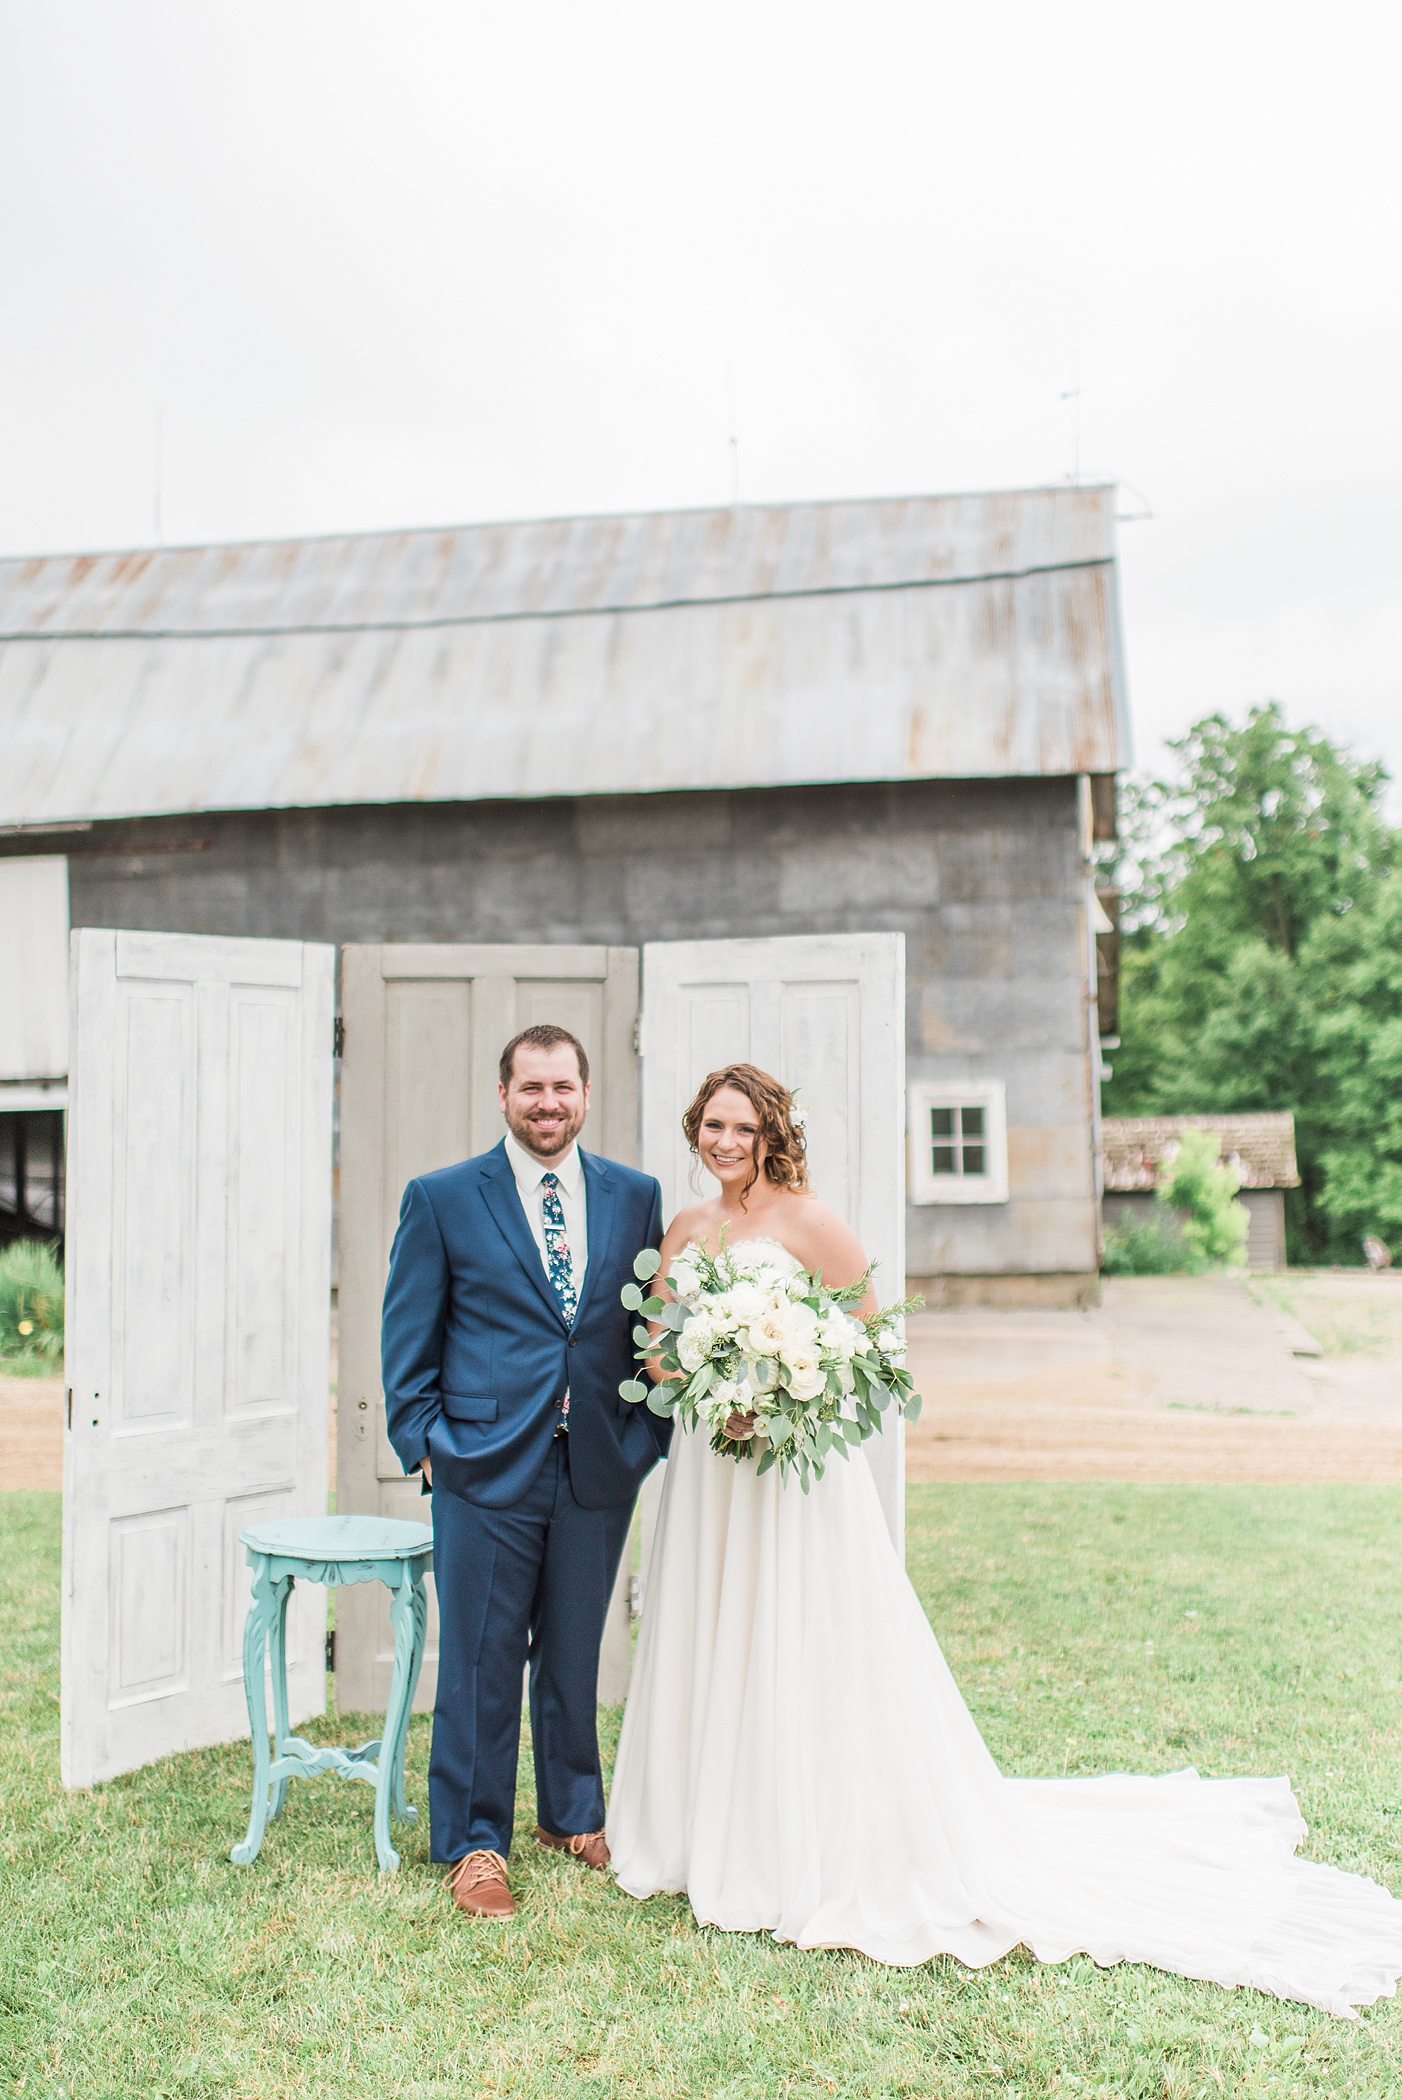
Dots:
pixel 798 1759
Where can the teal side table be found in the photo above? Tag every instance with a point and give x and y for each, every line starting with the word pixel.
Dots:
pixel 331 1550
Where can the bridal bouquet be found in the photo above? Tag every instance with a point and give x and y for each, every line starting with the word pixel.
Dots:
pixel 748 1333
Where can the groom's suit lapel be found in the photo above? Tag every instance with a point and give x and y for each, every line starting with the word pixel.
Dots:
pixel 503 1200
pixel 601 1207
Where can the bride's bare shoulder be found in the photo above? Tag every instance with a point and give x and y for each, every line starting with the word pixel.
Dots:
pixel 688 1224
pixel 821 1239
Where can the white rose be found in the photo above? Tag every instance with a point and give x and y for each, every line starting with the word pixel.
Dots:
pixel 841 1335
pixel 801 1323
pixel 722 1314
pixel 685 1281
pixel 768 1333
pixel 806 1376
pixel 695 1342
pixel 746 1301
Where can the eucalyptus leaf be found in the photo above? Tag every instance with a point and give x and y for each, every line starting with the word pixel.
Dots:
pixel 780 1429
pixel 912 1408
pixel 675 1316
pixel 632 1389
pixel 765 1463
pixel 653 1308
pixel 660 1402
pixel 642 1338
pixel 647 1263
pixel 631 1296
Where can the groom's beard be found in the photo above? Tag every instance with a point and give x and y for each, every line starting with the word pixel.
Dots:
pixel 548 1142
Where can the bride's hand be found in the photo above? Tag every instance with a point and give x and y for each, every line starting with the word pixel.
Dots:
pixel 739 1427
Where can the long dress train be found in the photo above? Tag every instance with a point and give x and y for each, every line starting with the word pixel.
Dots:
pixel 797 1758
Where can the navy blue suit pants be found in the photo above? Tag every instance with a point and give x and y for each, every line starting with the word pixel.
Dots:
pixel 529 1582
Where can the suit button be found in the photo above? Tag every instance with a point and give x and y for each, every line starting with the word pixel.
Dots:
pixel 571 1341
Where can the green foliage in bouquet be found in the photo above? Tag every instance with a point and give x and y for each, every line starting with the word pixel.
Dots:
pixel 742 1336
pixel 31 1308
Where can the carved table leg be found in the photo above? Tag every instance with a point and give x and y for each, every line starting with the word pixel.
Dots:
pixel 262 1613
pixel 277 1657
pixel 401 1612
pixel 420 1609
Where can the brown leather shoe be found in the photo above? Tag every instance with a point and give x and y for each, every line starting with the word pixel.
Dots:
pixel 478 1883
pixel 588 1847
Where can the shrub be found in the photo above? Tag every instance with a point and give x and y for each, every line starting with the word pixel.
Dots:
pixel 1203 1194
pixel 31 1307
pixel 1153 1248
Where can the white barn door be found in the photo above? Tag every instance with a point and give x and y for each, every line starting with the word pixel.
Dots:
pixel 425 1026
pixel 826 1014
pixel 199 1240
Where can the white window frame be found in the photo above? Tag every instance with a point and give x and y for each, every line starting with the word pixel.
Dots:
pixel 925 1186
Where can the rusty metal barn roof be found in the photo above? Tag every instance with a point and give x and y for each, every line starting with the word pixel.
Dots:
pixel 894 639
pixel 1261 1148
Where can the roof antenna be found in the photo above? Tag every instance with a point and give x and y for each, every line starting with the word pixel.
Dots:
pixel 1073 395
pixel 156 476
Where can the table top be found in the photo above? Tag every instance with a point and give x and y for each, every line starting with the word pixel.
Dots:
pixel 339 1538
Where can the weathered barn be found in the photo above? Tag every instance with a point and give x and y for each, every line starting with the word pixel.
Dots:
pixel 903 714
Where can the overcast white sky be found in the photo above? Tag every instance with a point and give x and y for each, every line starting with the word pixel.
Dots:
pixel 432 261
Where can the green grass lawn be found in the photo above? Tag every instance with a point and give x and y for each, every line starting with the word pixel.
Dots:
pixel 1243 1630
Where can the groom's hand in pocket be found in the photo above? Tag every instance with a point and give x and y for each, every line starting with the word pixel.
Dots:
pixel 426 1468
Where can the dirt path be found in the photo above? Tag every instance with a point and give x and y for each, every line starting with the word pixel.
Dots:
pixel 31 1433
pixel 1171 1379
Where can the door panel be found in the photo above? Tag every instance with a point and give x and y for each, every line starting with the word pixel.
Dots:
pixel 199 1216
pixel 826 1014
pixel 425 1026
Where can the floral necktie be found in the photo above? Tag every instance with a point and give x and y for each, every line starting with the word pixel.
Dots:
pixel 557 1257
pixel 557 1250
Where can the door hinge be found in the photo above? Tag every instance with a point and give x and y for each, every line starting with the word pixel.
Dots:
pixel 70 1407
pixel 638 1034
pixel 330 1651
pixel 338 1038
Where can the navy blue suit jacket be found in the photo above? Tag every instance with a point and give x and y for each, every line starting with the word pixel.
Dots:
pixel 475 1350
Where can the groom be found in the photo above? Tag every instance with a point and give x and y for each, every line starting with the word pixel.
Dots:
pixel 504 1343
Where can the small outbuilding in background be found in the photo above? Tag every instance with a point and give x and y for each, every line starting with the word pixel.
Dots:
pixel 1260 1149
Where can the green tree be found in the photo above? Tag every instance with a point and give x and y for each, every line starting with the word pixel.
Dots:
pixel 1260 964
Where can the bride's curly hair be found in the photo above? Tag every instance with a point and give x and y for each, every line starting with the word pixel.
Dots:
pixel 781 1139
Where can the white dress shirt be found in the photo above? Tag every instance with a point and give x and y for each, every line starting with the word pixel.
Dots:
pixel 569 1172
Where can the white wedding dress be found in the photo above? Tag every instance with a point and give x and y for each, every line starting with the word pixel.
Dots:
pixel 797 1758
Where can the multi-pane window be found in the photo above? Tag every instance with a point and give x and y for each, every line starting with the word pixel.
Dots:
pixel 958 1141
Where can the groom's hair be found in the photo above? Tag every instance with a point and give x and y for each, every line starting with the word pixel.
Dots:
pixel 544 1036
